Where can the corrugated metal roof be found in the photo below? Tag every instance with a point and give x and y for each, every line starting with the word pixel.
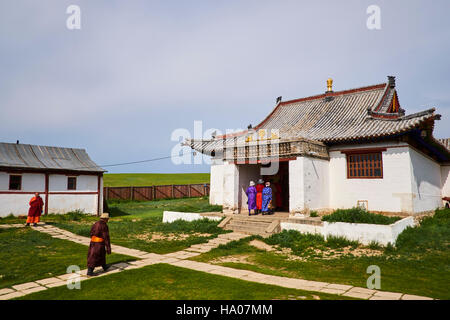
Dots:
pixel 348 115
pixel 27 156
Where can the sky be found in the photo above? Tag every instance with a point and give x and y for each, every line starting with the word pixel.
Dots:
pixel 138 72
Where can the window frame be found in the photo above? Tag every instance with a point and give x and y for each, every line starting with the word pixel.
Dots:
pixel 363 153
pixel 75 182
pixel 20 182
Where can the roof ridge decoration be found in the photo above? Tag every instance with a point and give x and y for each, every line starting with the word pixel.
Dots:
pixel 359 114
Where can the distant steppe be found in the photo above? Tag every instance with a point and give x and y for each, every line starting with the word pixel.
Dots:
pixel 150 179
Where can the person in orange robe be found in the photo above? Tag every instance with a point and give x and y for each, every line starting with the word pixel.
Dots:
pixel 35 211
pixel 259 189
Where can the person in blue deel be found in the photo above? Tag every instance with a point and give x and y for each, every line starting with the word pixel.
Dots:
pixel 266 198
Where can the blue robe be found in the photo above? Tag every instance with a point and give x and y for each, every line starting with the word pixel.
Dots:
pixel 266 198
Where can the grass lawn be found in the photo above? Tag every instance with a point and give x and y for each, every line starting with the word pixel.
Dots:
pixel 166 282
pixel 419 264
pixel 150 179
pixel 139 225
pixel 29 255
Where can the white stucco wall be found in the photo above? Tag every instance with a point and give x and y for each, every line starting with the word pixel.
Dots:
pixel 59 203
pixel 230 187
pixel 17 203
pixel 309 184
pixel 361 232
pixel 31 182
pixel 171 216
pixel 216 183
pixel 392 193
pixel 426 182
pixel 445 180
pixel 58 183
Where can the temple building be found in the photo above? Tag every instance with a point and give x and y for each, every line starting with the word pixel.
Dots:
pixel 342 149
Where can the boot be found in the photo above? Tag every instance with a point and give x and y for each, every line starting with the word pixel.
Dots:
pixel 105 267
pixel 90 272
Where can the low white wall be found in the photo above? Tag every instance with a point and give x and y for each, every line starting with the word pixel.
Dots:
pixel 362 232
pixel 302 228
pixel 171 216
pixel 366 233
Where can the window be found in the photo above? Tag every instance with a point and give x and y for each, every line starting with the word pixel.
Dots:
pixel 15 182
pixel 71 183
pixel 365 165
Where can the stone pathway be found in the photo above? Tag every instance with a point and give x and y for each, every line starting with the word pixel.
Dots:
pixel 178 259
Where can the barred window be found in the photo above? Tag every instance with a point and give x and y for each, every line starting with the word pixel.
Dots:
pixel 15 182
pixel 365 165
pixel 71 183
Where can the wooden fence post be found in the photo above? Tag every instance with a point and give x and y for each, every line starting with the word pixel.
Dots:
pixel 131 193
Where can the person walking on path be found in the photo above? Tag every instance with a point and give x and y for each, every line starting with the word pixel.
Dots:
pixel 259 189
pixel 35 211
pixel 100 245
pixel 251 196
pixel 266 198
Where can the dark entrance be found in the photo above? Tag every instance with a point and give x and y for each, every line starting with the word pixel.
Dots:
pixel 280 186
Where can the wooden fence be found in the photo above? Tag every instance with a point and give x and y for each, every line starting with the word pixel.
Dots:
pixel 156 192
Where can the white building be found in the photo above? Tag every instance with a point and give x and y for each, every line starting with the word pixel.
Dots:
pixel 336 150
pixel 66 178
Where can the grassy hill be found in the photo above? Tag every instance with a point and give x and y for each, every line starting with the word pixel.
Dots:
pixel 150 179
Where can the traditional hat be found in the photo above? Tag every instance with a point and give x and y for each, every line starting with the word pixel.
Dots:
pixel 260 181
pixel 104 215
pixel 252 183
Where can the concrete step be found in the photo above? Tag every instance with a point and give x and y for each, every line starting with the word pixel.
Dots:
pixel 248 223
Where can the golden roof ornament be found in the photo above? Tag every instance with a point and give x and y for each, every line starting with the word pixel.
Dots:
pixel 330 85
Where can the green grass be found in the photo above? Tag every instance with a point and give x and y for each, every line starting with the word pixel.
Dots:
pixel 133 223
pixel 29 255
pixel 149 209
pixel 137 234
pixel 358 215
pixel 418 264
pixel 166 282
pixel 150 179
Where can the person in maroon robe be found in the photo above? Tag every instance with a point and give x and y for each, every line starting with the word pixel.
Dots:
pixel 35 211
pixel 100 245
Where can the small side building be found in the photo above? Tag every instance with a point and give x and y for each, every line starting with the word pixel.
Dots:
pixel 66 178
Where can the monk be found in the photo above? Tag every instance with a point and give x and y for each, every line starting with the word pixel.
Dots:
pixel 35 211
pixel 100 245
pixel 266 199
pixel 251 196
pixel 259 188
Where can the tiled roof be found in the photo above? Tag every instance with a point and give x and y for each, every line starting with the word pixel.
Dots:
pixel 334 117
pixel 26 156
pixel 445 142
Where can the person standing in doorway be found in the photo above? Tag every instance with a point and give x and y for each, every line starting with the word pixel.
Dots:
pixel 35 211
pixel 259 189
pixel 266 198
pixel 251 196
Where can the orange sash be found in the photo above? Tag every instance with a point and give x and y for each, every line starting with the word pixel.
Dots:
pixel 96 239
